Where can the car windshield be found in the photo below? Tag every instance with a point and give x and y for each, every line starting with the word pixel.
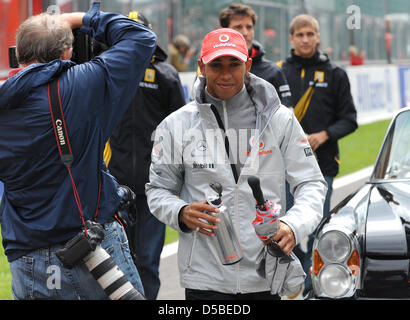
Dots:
pixel 394 160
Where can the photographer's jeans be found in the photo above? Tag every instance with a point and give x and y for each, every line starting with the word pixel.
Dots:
pixel 40 275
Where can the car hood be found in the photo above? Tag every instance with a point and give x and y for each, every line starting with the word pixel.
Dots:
pixel 388 221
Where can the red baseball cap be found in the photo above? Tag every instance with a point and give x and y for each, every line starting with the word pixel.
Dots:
pixel 224 42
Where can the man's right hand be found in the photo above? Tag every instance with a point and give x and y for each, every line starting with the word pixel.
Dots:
pixel 74 19
pixel 190 215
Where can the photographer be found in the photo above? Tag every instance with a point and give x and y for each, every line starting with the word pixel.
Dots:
pixel 44 204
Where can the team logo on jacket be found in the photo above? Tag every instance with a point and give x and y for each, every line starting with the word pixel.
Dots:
pixel 201 145
pixel 156 153
pixel 196 165
pixel 253 141
pixel 319 76
pixel 308 151
pixel 149 75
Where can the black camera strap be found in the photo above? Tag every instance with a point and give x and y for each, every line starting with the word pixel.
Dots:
pixel 60 129
pixel 63 143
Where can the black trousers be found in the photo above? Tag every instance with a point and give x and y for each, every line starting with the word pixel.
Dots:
pixel 193 294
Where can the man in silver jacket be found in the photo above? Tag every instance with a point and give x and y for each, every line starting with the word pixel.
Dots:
pixel 235 127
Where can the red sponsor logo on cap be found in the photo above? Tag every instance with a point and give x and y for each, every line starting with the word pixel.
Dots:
pixel 224 38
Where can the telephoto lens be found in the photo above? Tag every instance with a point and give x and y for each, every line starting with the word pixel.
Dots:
pixel 86 248
pixel 111 279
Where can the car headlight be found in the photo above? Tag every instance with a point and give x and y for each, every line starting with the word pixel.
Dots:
pixel 335 280
pixel 335 264
pixel 334 246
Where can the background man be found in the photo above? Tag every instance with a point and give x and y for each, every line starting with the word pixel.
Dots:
pixel 186 158
pixel 323 102
pixel 159 94
pixel 39 209
pixel 180 52
pixel 243 18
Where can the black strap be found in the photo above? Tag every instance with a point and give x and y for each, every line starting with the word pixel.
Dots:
pixel 60 129
pixel 227 148
pixel 63 143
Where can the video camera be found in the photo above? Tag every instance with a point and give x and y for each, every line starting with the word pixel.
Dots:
pixel 84 49
pixel 13 63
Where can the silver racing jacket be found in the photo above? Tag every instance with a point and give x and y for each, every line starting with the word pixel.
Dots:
pixel 189 153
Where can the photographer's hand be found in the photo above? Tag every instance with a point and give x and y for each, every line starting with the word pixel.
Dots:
pixel 190 215
pixel 74 19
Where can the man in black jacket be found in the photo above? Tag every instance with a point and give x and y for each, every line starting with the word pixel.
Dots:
pixel 322 101
pixel 128 156
pixel 242 18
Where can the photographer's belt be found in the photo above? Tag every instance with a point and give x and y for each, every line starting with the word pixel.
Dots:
pixel 63 143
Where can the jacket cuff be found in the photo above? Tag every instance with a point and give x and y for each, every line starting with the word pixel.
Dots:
pixel 175 223
pixel 329 135
pixel 89 19
pixel 289 224
pixel 182 225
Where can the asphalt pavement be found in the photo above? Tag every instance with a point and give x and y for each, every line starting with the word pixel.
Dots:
pixel 168 270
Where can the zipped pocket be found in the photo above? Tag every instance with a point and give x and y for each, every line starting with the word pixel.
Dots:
pixel 191 251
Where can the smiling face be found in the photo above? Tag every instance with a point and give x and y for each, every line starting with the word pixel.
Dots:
pixel 305 41
pixel 225 76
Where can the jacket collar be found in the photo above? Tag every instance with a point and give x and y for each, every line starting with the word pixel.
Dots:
pixel 233 102
pixel 318 58
pixel 261 92
pixel 159 54
pixel 13 72
pixel 17 87
pixel 256 52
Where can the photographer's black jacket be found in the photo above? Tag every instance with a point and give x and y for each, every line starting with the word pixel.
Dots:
pixel 159 94
pixel 331 107
pixel 270 72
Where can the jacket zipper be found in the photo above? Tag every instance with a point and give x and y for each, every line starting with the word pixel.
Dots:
pixel 235 210
pixel 235 175
pixel 191 251
pixel 225 114
pixel 302 81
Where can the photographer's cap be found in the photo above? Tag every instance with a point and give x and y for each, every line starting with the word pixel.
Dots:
pixel 224 42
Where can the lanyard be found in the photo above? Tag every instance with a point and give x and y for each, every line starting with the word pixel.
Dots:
pixel 63 143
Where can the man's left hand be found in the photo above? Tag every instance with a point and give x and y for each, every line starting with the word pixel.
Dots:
pixel 284 237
